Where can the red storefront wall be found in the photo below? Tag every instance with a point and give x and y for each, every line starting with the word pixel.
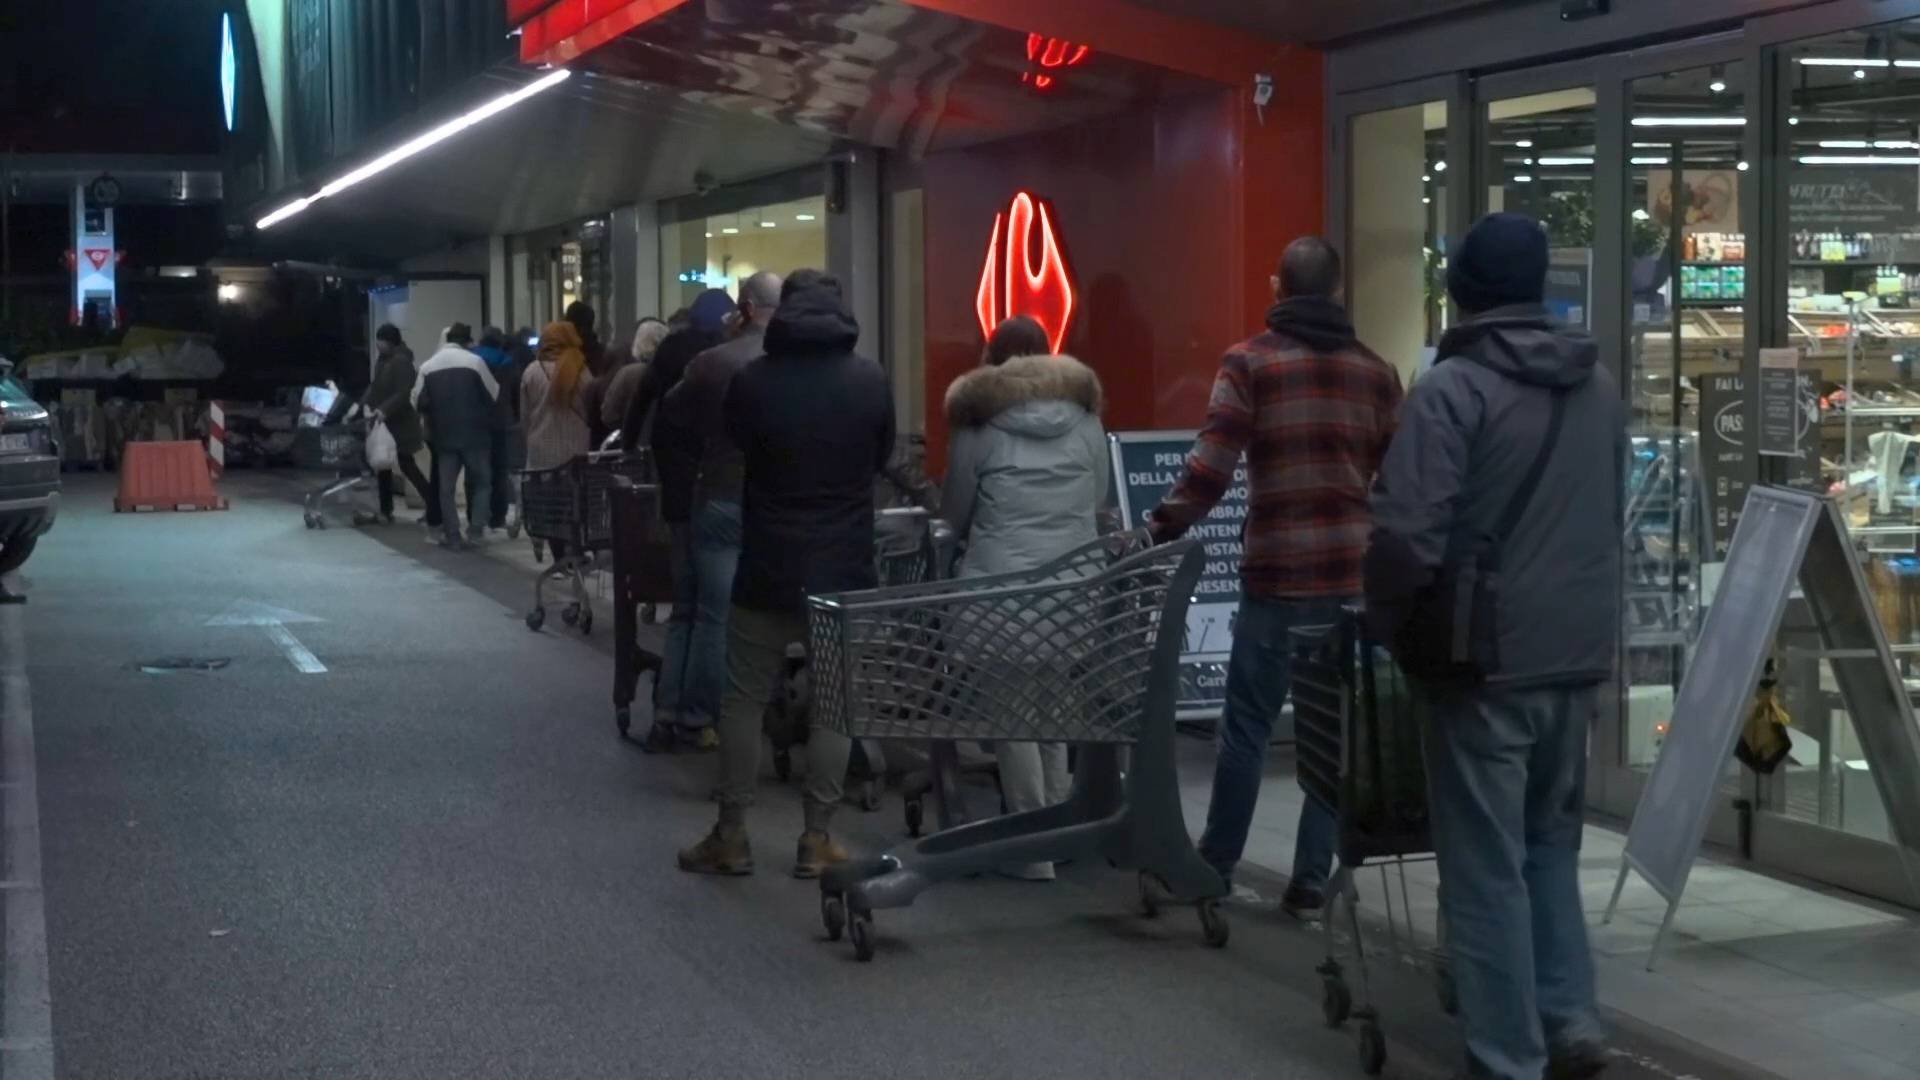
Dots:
pixel 1171 216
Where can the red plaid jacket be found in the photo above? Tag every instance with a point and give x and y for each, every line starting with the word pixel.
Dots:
pixel 1314 427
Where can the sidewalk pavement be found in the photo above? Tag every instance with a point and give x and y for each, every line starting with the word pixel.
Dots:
pixel 1795 980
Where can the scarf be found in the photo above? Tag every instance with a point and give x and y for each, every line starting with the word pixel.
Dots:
pixel 560 343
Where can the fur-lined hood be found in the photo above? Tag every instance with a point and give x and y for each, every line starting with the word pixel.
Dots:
pixel 980 396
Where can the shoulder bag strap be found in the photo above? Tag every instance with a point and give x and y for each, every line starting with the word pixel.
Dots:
pixel 1523 495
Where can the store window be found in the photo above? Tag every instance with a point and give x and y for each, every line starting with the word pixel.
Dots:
pixel 1853 308
pixel 1396 246
pixel 1538 159
pixel 719 250
pixel 1686 318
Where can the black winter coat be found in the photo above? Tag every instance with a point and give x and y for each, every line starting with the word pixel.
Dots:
pixel 815 425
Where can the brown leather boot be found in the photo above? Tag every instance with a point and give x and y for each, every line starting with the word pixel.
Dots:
pixel 817 852
pixel 724 851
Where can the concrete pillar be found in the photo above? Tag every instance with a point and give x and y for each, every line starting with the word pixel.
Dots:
pixel 635 234
pixel 854 243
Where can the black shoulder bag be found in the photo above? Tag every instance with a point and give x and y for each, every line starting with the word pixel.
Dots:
pixel 1452 635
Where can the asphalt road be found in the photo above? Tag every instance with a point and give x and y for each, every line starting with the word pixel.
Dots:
pixel 434 859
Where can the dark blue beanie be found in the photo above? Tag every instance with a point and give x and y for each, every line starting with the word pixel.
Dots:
pixel 710 309
pixel 1502 261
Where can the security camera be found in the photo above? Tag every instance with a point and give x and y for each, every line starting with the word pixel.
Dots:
pixel 704 183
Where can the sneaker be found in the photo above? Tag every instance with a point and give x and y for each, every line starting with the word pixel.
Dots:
pixel 723 851
pixel 1577 1061
pixel 1302 902
pixel 699 740
pixel 476 534
pixel 817 851
pixel 660 739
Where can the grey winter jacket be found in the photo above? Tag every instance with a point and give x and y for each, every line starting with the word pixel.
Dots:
pixel 1468 433
pixel 1027 469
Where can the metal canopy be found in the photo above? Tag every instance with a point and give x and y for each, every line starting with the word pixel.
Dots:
pixel 145 179
pixel 1312 23
pixel 587 146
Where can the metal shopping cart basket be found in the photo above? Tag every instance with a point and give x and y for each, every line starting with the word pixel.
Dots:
pixel 904 554
pixel 1069 652
pixel 642 578
pixel 569 505
pixel 339 450
pixel 1357 720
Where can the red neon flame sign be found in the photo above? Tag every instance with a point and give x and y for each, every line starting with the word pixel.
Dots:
pixel 1050 54
pixel 1011 283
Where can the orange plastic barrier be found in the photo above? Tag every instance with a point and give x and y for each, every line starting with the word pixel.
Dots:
pixel 166 476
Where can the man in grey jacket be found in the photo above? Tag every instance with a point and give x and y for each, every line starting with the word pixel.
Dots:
pixel 1506 753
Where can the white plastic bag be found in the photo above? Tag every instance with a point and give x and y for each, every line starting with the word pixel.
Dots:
pixel 382 452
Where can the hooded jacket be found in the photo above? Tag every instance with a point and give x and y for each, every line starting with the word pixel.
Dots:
pixel 1468 434
pixel 1312 410
pixel 673 436
pixel 1027 469
pixel 814 424
pixel 698 400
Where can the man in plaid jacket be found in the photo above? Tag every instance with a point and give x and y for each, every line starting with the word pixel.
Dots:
pixel 1313 410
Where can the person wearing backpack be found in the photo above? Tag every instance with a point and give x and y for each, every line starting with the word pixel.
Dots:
pixel 1493 575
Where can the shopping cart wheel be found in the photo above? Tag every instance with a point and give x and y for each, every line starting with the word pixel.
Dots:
pixel 1213 924
pixel 870 796
pixel 312 520
pixel 833 914
pixel 1373 1047
pixel 570 614
pixel 623 719
pixel 860 929
pixel 916 815
pixel 1150 893
pixel 536 619
pixel 1336 1001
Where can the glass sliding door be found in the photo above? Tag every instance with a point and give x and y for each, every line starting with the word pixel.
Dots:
pixel 1537 159
pixel 1397 201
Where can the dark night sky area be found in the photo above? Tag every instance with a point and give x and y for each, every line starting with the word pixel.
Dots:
pixel 110 76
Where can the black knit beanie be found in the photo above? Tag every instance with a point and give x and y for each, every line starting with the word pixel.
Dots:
pixel 1502 261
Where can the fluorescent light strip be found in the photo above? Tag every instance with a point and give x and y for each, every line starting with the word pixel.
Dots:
pixel 1862 144
pixel 1689 121
pixel 1855 62
pixel 1857 159
pixel 1564 161
pixel 415 145
pixel 1652 161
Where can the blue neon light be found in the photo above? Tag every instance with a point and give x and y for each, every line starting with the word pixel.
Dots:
pixel 228 79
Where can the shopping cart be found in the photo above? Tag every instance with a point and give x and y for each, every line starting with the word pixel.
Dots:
pixel 569 505
pixel 1357 723
pixel 642 578
pixel 1069 652
pixel 338 449
pixel 904 554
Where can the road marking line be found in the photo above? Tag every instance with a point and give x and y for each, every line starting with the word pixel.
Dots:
pixel 298 655
pixel 26 1020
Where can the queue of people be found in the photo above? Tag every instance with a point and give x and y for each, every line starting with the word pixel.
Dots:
pixel 1491 476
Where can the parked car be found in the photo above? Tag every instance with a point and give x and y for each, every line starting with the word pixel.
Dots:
pixel 29 471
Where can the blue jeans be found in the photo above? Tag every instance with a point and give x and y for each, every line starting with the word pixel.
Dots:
pixel 1507 773
pixel 705 554
pixel 1258 678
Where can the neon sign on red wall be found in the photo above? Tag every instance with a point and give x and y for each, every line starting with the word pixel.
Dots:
pixel 1046 55
pixel 1025 272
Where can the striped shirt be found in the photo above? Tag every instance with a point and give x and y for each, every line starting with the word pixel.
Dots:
pixel 1314 427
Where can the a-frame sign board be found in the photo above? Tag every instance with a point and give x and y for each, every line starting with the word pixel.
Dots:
pixel 1785 539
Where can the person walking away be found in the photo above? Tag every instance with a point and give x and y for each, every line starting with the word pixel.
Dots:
pixel 1510 459
pixel 1313 410
pixel 582 316
pixel 390 395
pixel 686 716
pixel 814 424
pixel 1027 476
pixel 553 404
pixel 457 394
pixel 493 349
pixel 620 389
